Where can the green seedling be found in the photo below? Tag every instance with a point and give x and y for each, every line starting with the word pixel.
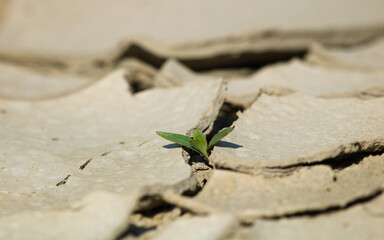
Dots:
pixel 198 143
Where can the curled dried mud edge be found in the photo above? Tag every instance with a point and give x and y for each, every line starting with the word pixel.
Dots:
pixel 317 212
pixel 219 52
pixel 337 159
pixel 244 59
pixel 337 163
pixel 248 223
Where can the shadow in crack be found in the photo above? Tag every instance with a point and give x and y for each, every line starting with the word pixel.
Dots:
pixel 243 59
pixel 171 146
pixel 226 144
pixel 134 231
pixel 338 163
pixel 223 144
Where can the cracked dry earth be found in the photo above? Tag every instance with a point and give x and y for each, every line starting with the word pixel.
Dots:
pixel 79 108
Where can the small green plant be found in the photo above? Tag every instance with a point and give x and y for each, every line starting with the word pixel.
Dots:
pixel 198 143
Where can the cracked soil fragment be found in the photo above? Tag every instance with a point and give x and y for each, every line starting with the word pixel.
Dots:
pixel 303 77
pixel 308 189
pixel 355 223
pixel 368 57
pixel 43 142
pixel 18 82
pixel 211 227
pixel 277 132
pixel 283 79
pixel 99 215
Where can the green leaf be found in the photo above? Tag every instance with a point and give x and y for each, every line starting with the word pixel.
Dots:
pixel 224 132
pixel 200 146
pixel 178 138
pixel 199 136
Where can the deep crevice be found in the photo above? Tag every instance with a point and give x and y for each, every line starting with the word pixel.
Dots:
pixel 347 160
pixel 338 163
pixel 138 228
pixel 136 86
pixel 226 117
pixel 332 209
pixel 161 208
pixel 194 192
pixel 250 59
pixel 201 167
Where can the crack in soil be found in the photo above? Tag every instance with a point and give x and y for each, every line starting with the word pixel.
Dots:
pixel 338 163
pixel 85 164
pixel 246 59
pixel 202 168
pixel 143 222
pixel 328 210
pixel 64 181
